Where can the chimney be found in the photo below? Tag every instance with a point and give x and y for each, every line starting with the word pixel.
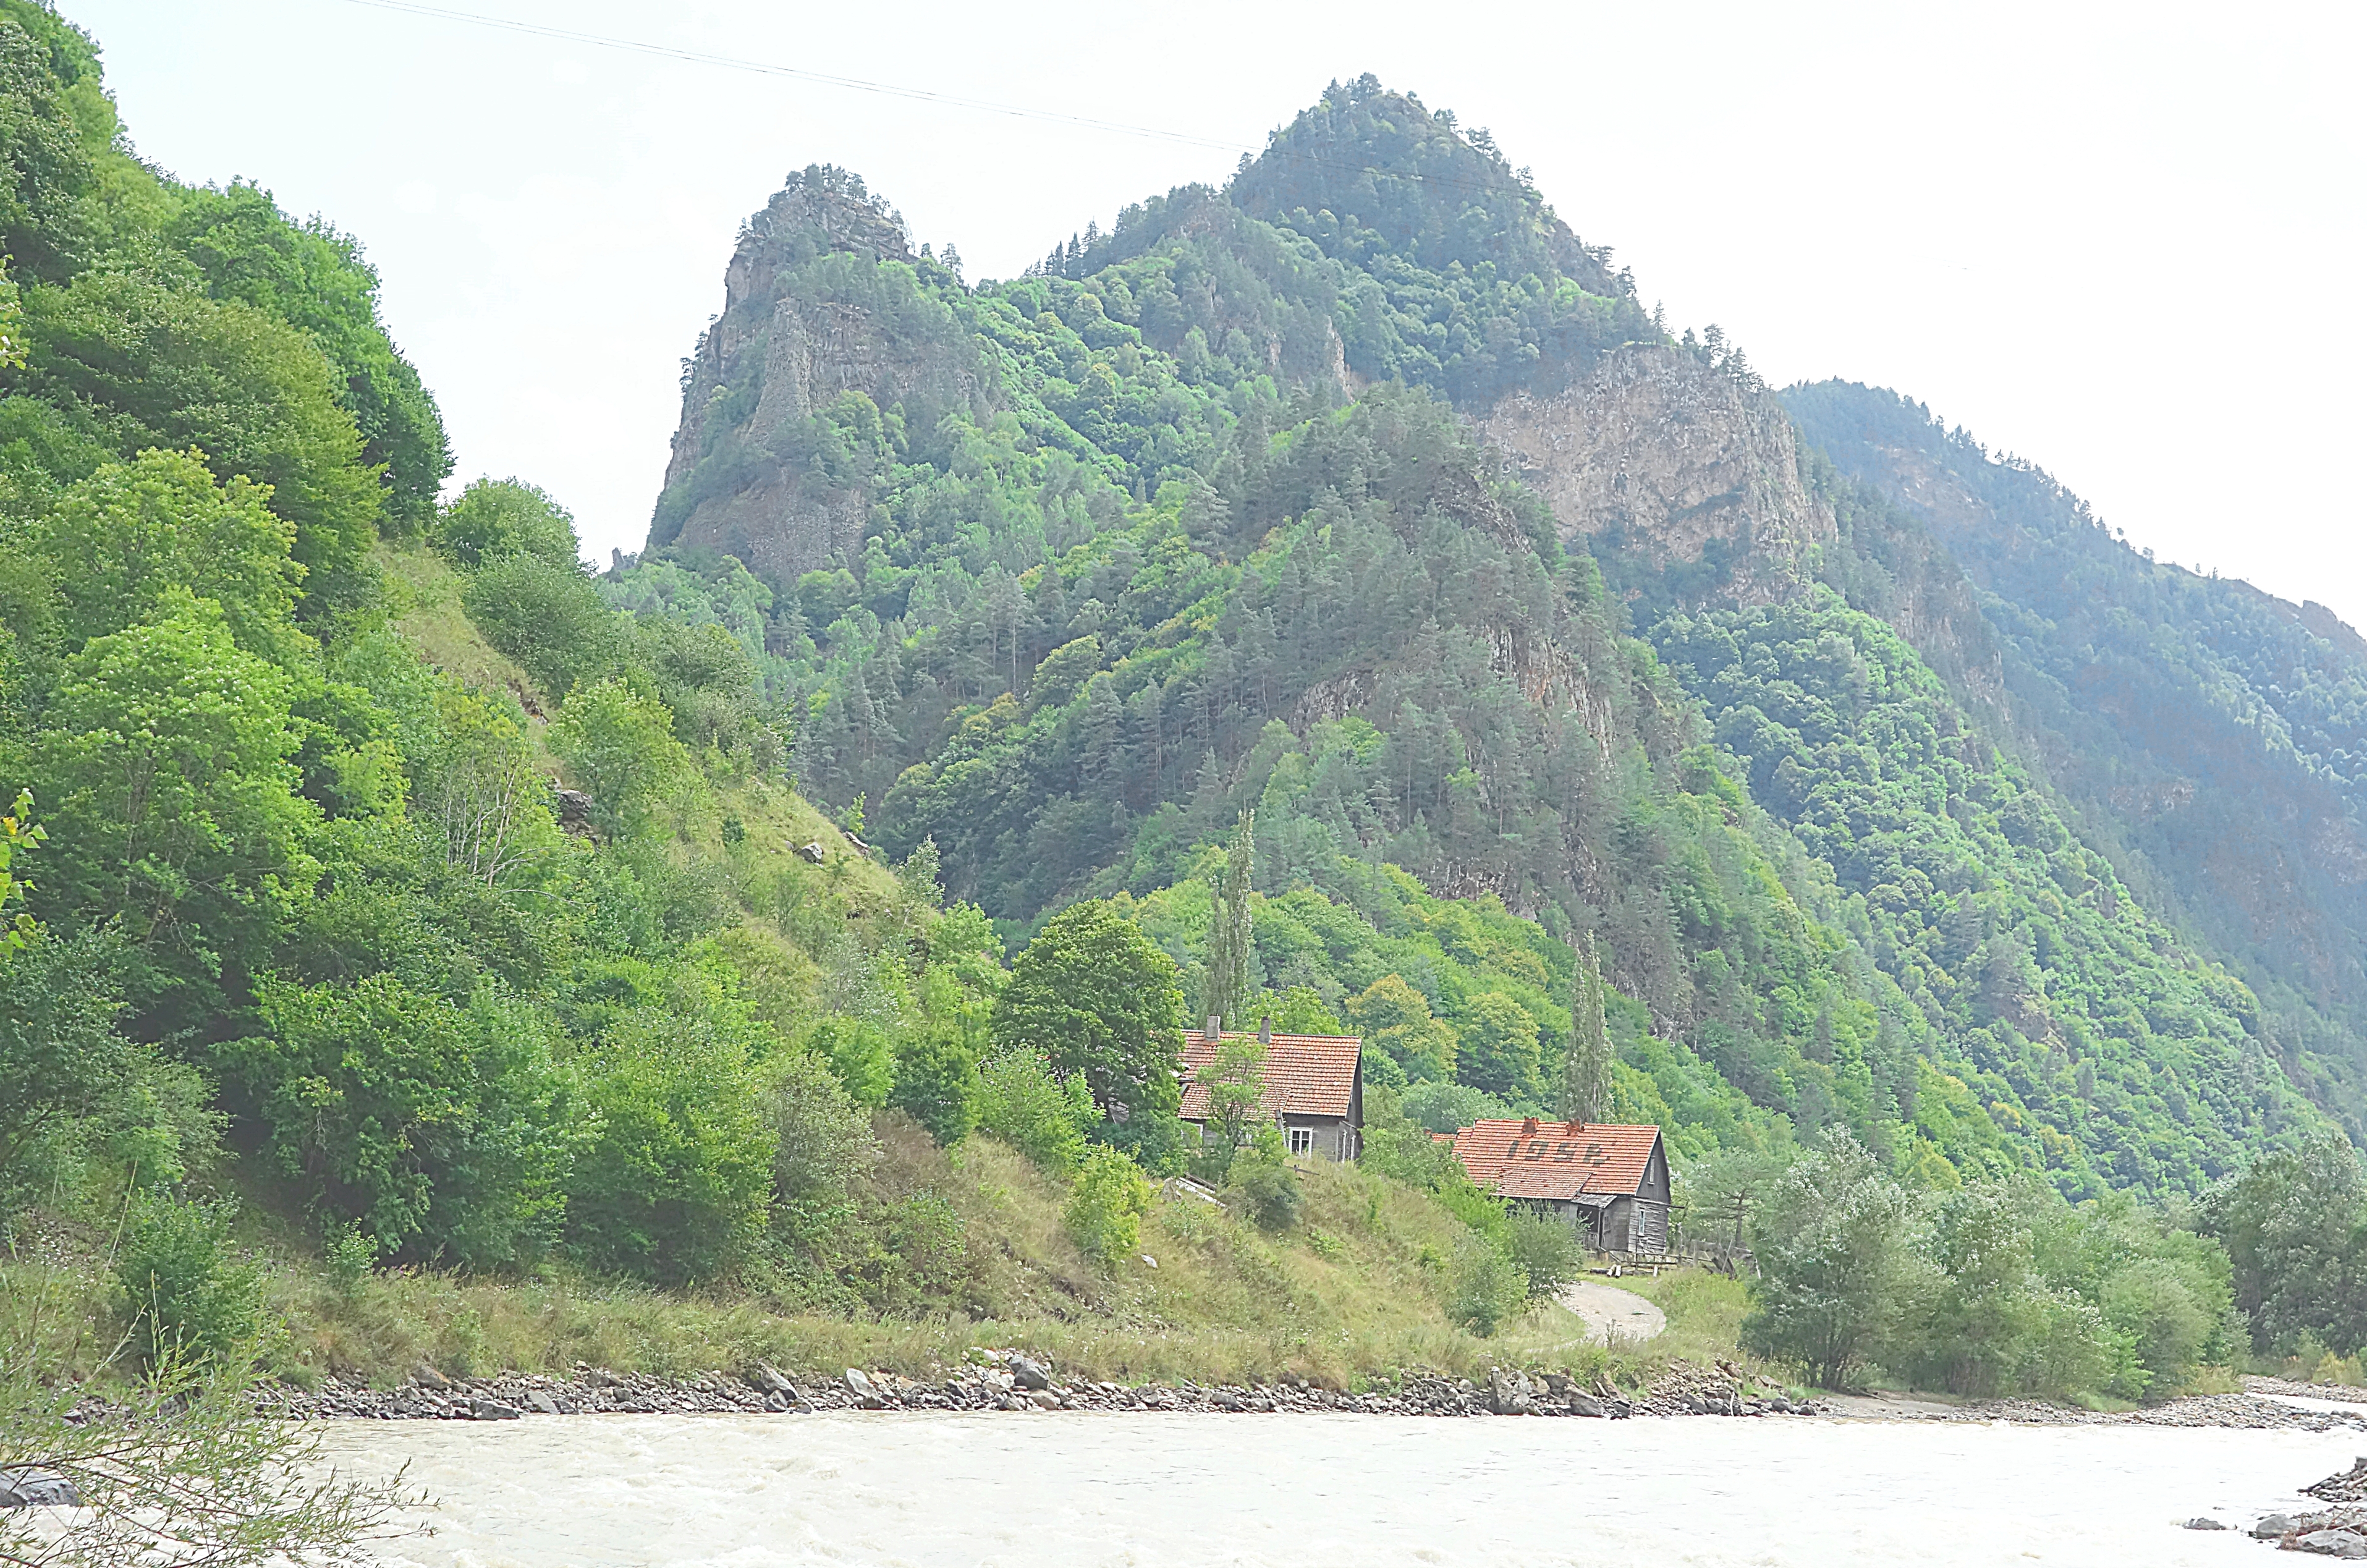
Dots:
pixel 1528 1127
pixel 1266 1030
pixel 1215 1027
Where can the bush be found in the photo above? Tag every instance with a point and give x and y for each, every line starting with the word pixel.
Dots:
pixel 1267 1189
pixel 1832 1248
pixel 494 517
pixel 936 1083
pixel 188 1296
pixel 444 1131
pixel 1441 1107
pixel 1546 1250
pixel 860 1052
pixel 548 617
pixel 1022 1103
pixel 822 1142
pixel 672 1187
pixel 1487 1289
pixel 1106 1204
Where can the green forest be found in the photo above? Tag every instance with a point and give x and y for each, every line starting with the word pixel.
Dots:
pixel 806 915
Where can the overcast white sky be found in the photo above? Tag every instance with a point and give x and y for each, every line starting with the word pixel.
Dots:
pixel 2122 241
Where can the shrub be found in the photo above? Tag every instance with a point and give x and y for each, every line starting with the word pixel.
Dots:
pixel 1545 1249
pixel 1106 1204
pixel 936 1083
pixel 494 517
pixel 672 1186
pixel 860 1052
pixel 1832 1243
pixel 1266 1187
pixel 188 1294
pixel 548 617
pixel 822 1142
pixel 1486 1289
pixel 1022 1103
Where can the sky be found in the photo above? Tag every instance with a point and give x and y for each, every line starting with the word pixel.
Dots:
pixel 2122 241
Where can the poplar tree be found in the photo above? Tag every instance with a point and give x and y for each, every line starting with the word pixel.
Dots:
pixel 1586 1071
pixel 1228 927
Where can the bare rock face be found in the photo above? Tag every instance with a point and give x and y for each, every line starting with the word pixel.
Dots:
pixel 809 317
pixel 1681 459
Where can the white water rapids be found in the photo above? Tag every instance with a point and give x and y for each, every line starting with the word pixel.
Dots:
pixel 1073 1490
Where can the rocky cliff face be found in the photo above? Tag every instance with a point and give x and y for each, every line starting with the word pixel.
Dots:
pixel 1683 463
pixel 807 320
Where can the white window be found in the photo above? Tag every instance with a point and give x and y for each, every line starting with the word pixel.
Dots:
pixel 1302 1140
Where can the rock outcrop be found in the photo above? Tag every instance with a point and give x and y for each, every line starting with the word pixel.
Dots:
pixel 1684 461
pixel 809 316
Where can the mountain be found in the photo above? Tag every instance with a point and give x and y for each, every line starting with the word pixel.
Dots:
pixel 2207 737
pixel 1364 493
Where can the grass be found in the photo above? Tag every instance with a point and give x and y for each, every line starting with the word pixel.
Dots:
pixel 1348 1298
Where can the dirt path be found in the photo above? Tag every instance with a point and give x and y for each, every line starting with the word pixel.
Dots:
pixel 1610 1311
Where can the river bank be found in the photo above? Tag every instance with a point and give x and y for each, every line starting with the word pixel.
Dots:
pixel 1011 1382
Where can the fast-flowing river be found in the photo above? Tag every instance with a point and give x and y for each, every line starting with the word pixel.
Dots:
pixel 1155 1491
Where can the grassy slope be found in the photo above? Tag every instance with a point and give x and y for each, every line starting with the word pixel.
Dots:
pixel 1353 1292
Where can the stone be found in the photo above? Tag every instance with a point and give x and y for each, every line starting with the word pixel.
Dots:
pixel 37 1489
pixel 1511 1393
pixel 2347 1544
pixel 867 1392
pixel 1582 1403
pixel 575 806
pixel 811 852
pixel 766 1378
pixel 491 1410
pixel 2200 1523
pixel 2272 1526
pixel 1028 1375
pixel 542 1403
pixel 1045 1398
pixel 427 1377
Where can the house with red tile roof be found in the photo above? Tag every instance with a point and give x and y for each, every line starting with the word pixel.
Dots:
pixel 1609 1183
pixel 1314 1087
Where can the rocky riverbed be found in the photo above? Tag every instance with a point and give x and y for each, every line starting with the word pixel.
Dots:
pixel 1012 1381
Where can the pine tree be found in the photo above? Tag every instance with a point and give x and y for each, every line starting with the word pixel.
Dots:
pixel 1228 927
pixel 1586 1071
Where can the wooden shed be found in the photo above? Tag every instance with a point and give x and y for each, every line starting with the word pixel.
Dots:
pixel 1610 1182
pixel 1314 1088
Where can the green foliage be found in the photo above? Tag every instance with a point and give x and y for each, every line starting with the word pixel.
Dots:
pixel 1093 997
pixel 74 1092
pixel 1495 1047
pixel 1585 1084
pixel 860 1056
pixel 186 1292
pixel 547 616
pixel 1042 1116
pixel 1266 1187
pixel 2294 1225
pixel 493 518
pixel 1546 1250
pixel 1235 1079
pixel 674 1183
pixel 1833 1246
pixel 937 1083
pixel 1395 1020
pixel 19 833
pixel 618 743
pixel 444 1131
pixel 1106 1203
pixel 1226 990
pixel 1486 1289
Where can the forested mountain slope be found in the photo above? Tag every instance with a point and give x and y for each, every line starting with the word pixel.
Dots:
pixel 1339 494
pixel 2212 738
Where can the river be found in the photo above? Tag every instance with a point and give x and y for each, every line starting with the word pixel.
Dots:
pixel 1071 1490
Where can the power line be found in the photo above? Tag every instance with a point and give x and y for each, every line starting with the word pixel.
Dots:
pixel 890 89
pixel 823 78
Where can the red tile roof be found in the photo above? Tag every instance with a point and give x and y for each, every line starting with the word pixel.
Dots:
pixel 1305 1074
pixel 1530 1158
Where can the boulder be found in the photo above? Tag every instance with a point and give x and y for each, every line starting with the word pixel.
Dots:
pixel 766 1378
pixel 491 1410
pixel 542 1403
pixel 2347 1544
pixel 2272 1526
pixel 867 1392
pixel 427 1377
pixel 1582 1403
pixel 811 852
pixel 2200 1523
pixel 1511 1393
pixel 1028 1375
pixel 1045 1398
pixel 37 1489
